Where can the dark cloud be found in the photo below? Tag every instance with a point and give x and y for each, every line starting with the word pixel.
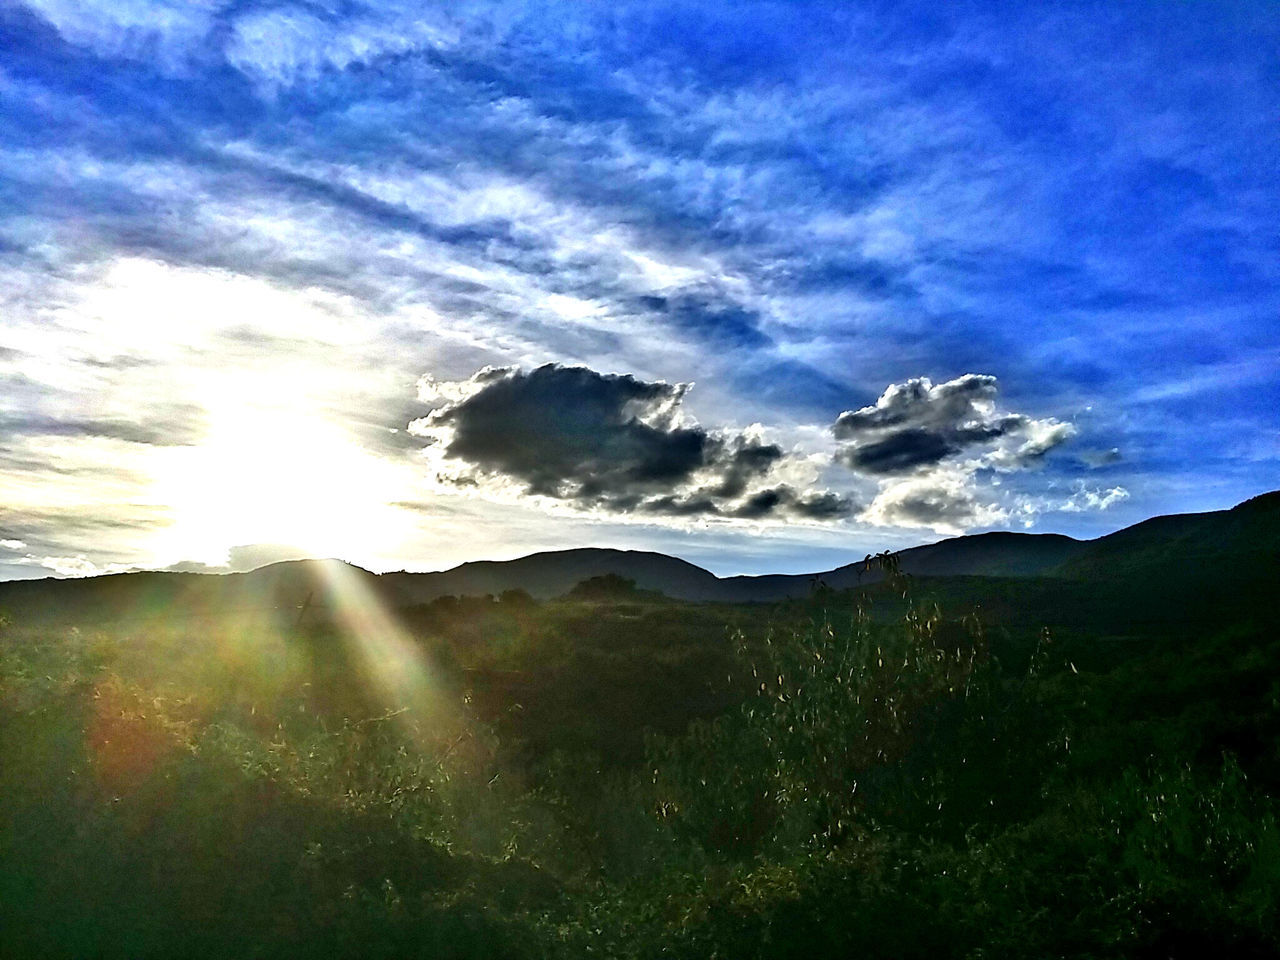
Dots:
pixel 822 505
pixel 608 441
pixel 772 501
pixel 742 462
pixel 917 425
pixel 71 530
pixel 900 451
pixel 29 525
pixel 13 457
pixel 673 506
pixel 571 433
pixel 120 361
pixel 928 508
pixel 814 506
pixel 760 504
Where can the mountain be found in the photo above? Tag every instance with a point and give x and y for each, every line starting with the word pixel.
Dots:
pixel 1190 567
pixel 554 573
pixel 1244 539
pixel 1211 554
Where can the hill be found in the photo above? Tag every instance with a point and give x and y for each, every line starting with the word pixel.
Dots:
pixel 1239 547
pixel 1244 538
pixel 554 573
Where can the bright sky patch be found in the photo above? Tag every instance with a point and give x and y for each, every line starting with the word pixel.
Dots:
pixel 237 238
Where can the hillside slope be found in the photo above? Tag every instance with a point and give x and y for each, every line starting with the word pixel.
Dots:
pixel 1243 540
pixel 554 573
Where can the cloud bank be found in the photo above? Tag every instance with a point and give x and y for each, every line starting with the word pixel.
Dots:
pixel 616 444
pixel 608 442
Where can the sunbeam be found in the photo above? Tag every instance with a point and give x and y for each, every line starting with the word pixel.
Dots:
pixel 396 668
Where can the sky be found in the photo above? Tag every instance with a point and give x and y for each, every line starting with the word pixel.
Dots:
pixel 767 286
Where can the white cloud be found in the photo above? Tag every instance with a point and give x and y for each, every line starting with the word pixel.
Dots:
pixel 131 28
pixel 79 566
pixel 289 45
pixel 1097 499
pixel 946 501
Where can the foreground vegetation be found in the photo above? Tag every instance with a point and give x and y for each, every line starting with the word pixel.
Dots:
pixel 886 773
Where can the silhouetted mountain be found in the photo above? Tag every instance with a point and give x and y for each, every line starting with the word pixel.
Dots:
pixel 1206 552
pixel 555 573
pixel 1244 539
pixel 552 574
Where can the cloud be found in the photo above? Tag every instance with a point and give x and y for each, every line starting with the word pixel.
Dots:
pixel 783 202
pixel 711 315
pixel 152 30
pixel 183 428
pixel 1085 499
pixel 617 444
pixel 1096 459
pixel 933 450
pixel 916 425
pixel 946 502
pixel 824 505
pixel 284 47
pixel 571 433
pixel 242 558
pixel 77 566
pixel 608 442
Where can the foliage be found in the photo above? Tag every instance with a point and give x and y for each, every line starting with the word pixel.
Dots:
pixel 609 587
pixel 856 773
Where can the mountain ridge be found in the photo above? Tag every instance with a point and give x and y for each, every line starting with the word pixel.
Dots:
pixel 1246 535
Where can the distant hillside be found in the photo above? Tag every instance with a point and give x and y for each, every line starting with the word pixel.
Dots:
pixel 1225 548
pixel 999 554
pixel 1244 540
pixel 554 573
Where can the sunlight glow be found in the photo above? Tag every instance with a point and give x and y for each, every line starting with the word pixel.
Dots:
pixel 135 307
pixel 272 470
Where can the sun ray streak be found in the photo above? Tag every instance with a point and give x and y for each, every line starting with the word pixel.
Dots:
pixel 397 668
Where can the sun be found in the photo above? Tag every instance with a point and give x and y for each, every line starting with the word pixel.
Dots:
pixel 271 473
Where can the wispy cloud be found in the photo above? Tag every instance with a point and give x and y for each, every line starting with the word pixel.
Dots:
pixel 792 205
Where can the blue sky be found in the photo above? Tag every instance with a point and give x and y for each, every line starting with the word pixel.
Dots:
pixel 767 286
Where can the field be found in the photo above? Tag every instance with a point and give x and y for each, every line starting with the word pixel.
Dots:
pixel 962 767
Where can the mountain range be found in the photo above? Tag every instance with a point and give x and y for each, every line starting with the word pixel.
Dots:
pixel 1178 551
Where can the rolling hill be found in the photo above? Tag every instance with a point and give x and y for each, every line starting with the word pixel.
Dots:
pixel 1225 546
